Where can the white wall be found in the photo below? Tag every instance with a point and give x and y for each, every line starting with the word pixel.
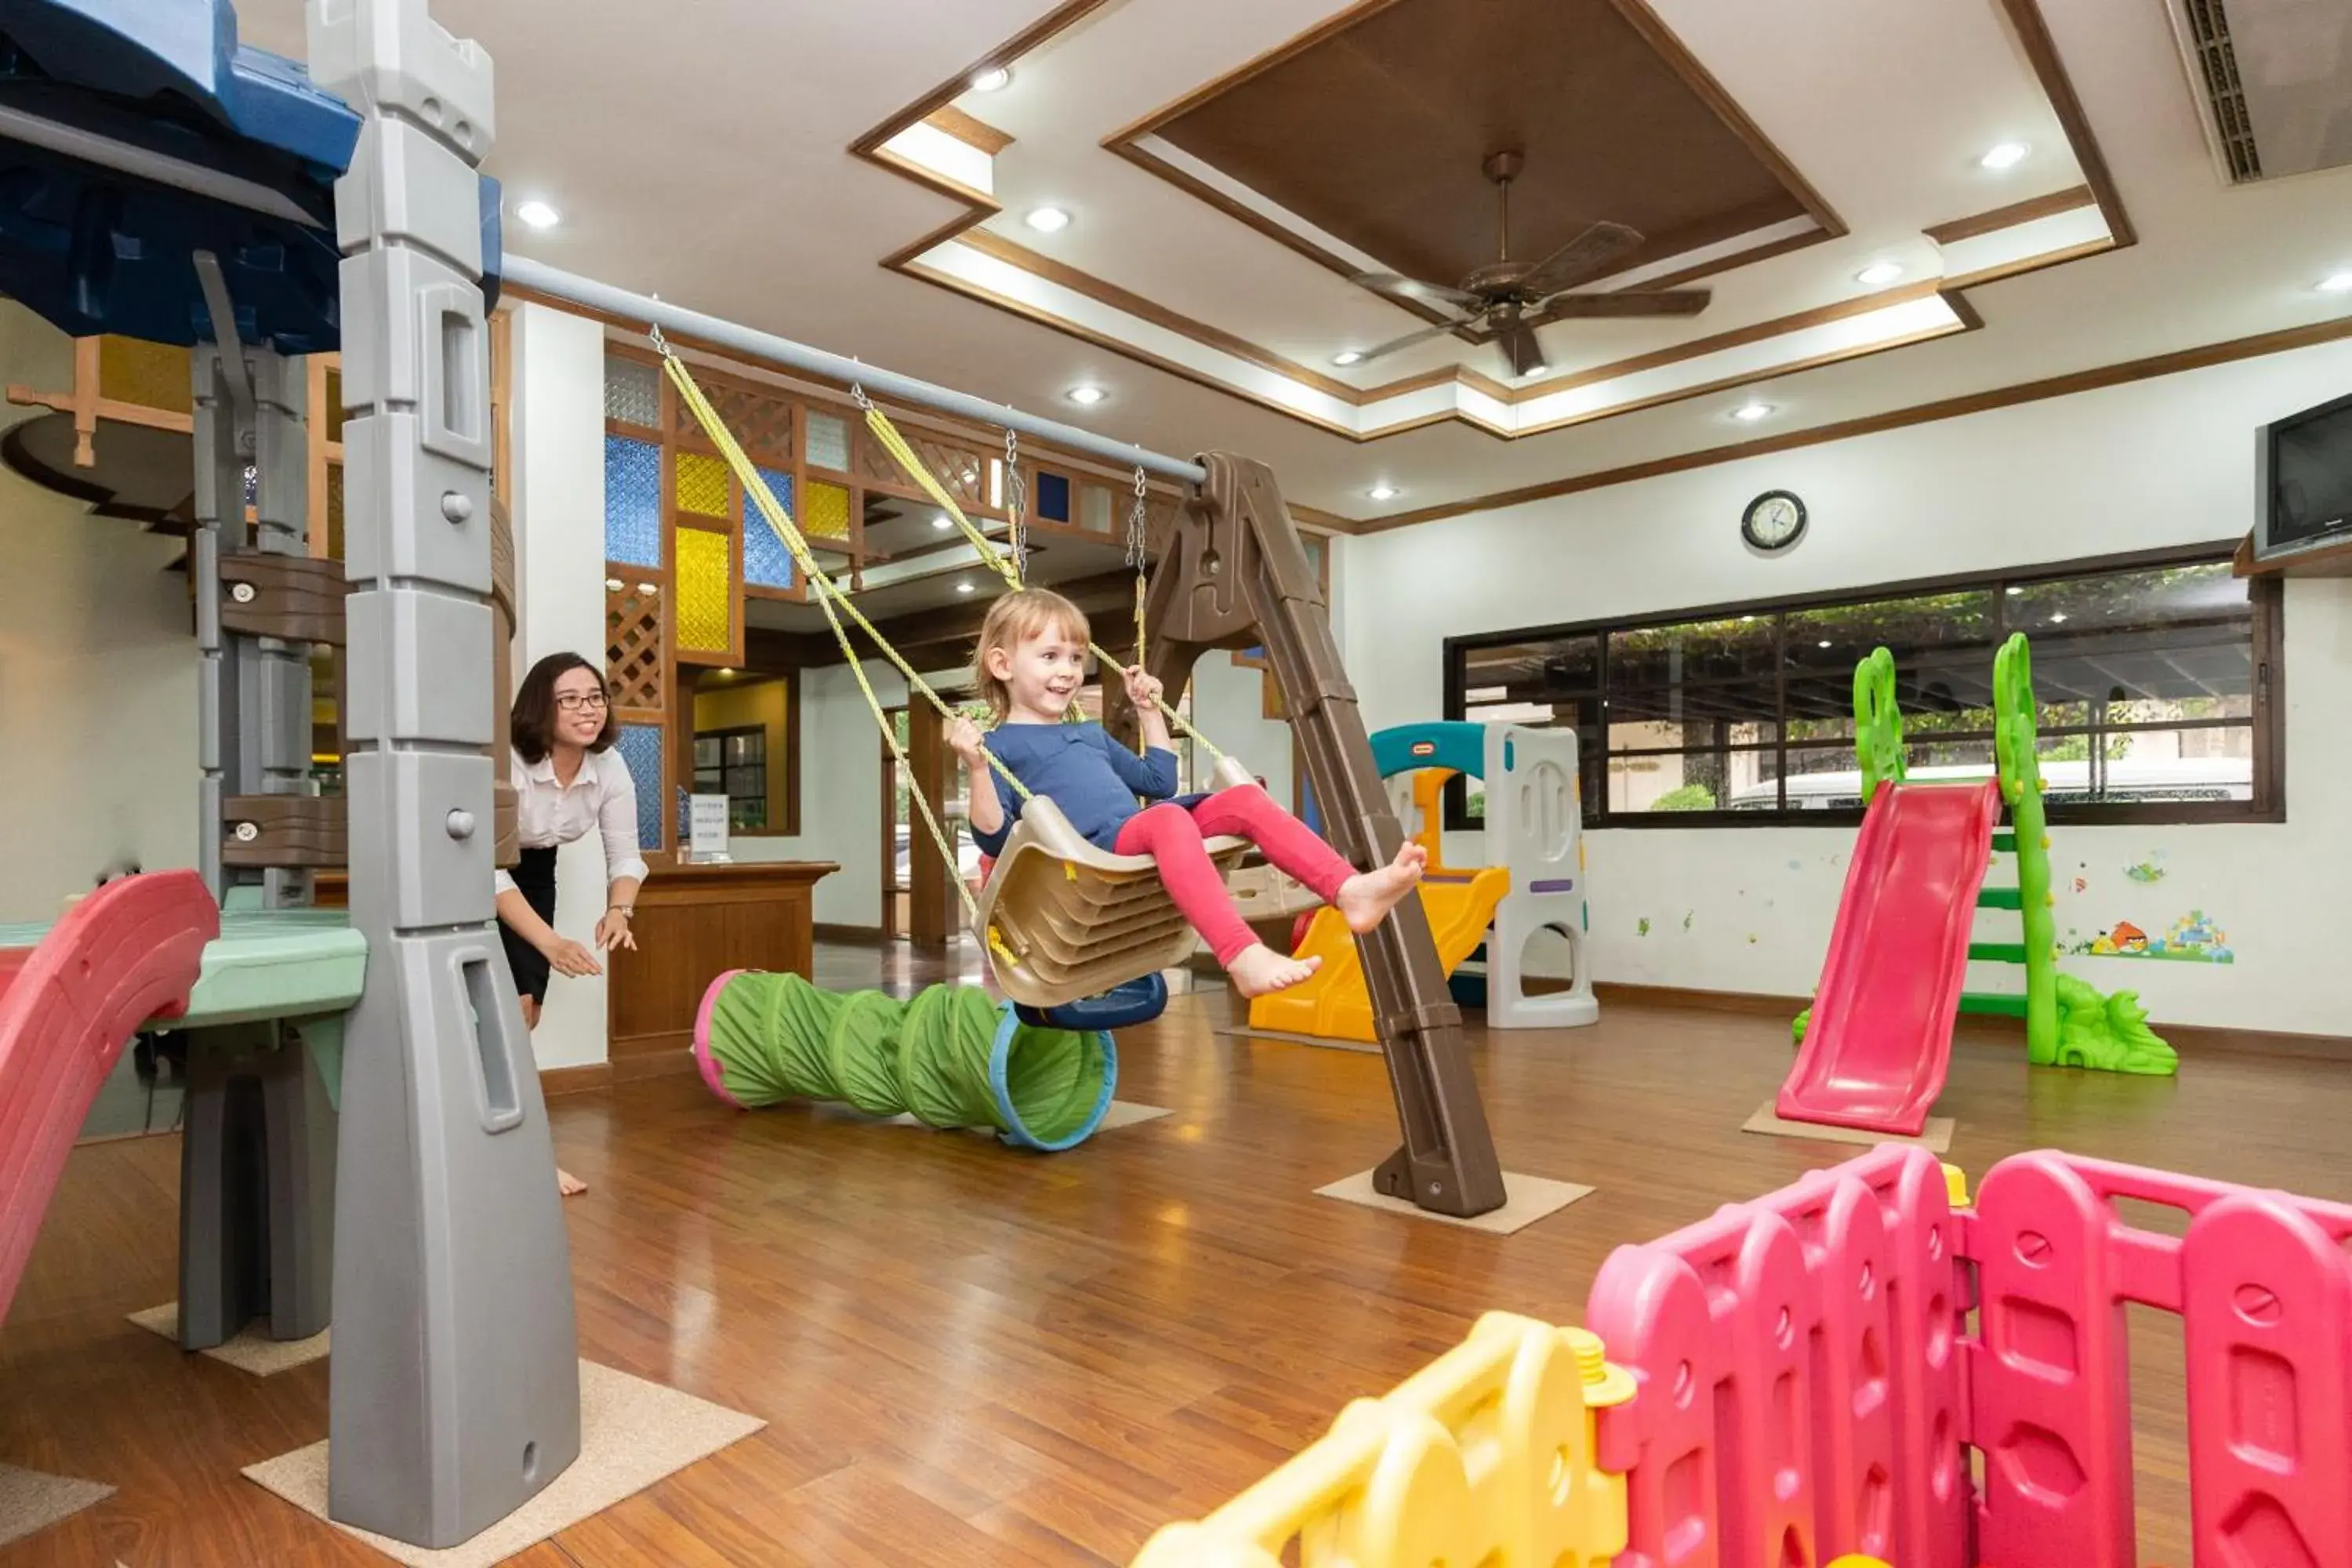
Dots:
pixel 97 674
pixel 2161 462
pixel 559 529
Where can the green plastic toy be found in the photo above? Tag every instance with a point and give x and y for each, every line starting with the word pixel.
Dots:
pixel 950 1056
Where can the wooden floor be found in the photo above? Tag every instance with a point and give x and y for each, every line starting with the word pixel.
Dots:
pixel 971 1356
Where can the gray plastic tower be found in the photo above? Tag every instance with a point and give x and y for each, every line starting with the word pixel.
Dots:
pixel 455 1382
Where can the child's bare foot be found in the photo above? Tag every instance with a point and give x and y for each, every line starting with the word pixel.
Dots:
pixel 570 1185
pixel 1366 898
pixel 1258 969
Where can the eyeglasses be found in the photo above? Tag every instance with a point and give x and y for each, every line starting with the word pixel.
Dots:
pixel 572 702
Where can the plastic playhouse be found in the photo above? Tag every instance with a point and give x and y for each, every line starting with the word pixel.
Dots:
pixel 1875 1047
pixel 1817 1376
pixel 1530 878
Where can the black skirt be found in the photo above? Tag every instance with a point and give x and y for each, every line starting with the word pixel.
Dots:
pixel 534 879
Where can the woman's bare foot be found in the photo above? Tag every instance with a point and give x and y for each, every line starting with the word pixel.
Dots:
pixel 1258 969
pixel 570 1185
pixel 1366 898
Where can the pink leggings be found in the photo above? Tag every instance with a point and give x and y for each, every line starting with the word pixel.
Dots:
pixel 1174 836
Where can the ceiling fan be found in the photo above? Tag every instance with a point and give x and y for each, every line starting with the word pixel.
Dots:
pixel 1511 299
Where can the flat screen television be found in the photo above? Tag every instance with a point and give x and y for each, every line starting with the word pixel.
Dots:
pixel 2303 469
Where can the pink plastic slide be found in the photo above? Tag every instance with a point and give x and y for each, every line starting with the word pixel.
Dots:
pixel 1881 1034
pixel 129 951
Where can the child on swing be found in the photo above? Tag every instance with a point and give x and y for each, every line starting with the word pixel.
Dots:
pixel 1030 662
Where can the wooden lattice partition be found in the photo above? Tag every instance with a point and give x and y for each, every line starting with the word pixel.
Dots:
pixel 963 471
pixel 636 658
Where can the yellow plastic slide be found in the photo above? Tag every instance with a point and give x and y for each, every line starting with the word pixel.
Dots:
pixel 1332 1004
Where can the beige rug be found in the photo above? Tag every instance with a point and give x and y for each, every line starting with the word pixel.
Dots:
pixel 1281 1037
pixel 252 1351
pixel 1526 1199
pixel 30 1501
pixel 632 1434
pixel 1936 1137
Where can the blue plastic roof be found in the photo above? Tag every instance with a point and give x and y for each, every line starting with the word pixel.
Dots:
pixel 159 85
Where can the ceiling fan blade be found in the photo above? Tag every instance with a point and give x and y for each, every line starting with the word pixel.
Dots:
pixel 1413 290
pixel 1519 340
pixel 1410 338
pixel 1628 303
pixel 1580 258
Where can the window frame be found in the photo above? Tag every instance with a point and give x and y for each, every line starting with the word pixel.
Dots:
pixel 2267 723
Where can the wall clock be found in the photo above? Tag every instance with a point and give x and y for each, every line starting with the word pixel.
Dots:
pixel 1773 521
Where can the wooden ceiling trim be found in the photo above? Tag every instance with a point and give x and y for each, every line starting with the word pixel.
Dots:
pixel 2119 374
pixel 2033 30
pixel 2034 209
pixel 1060 19
pixel 950 120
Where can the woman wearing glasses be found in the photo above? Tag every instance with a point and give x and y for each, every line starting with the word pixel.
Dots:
pixel 568 781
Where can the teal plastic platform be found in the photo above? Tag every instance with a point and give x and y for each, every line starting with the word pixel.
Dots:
pixel 267 964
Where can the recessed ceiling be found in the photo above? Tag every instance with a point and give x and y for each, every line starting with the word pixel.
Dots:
pixel 713 165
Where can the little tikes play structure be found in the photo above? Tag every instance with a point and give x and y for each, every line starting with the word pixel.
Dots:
pixel 1813 1377
pixel 1875 1045
pixel 1530 878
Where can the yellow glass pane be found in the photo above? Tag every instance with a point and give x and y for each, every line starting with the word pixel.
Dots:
pixel 335 511
pixel 701 484
pixel 826 514
pixel 704 605
pixel 331 418
pixel 153 376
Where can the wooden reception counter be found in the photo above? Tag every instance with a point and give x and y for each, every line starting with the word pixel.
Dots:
pixel 694 923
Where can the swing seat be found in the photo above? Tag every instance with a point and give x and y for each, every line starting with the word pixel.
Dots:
pixel 1120 1007
pixel 1062 919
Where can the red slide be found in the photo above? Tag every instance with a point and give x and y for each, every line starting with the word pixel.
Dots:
pixel 129 952
pixel 1881 1034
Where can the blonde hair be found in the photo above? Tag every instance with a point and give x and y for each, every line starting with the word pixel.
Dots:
pixel 1013 620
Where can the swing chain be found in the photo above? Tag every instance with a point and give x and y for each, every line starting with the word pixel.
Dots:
pixel 858 396
pixel 1016 498
pixel 1139 525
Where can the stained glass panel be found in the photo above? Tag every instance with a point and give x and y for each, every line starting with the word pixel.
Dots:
pixel 702 483
pixel 704 605
pixel 1053 495
pixel 154 375
pixel 765 560
pixel 640 746
pixel 828 441
pixel 632 501
pixel 632 392
pixel 827 516
pixel 335 511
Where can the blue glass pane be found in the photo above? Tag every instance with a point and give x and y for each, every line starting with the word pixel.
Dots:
pixel 640 746
pixel 632 501
pixel 1054 496
pixel 766 562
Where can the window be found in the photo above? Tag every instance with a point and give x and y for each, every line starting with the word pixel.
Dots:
pixel 734 763
pixel 2156 682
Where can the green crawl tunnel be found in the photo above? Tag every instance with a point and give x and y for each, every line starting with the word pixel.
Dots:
pixel 950 1056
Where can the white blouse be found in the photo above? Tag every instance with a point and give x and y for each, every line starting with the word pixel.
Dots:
pixel 601 796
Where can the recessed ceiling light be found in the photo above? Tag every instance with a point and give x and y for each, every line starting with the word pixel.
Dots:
pixel 965 588
pixel 1352 357
pixel 1879 273
pixel 1086 394
pixel 2015 592
pixel 1384 492
pixel 1749 413
pixel 613 584
pixel 2057 618
pixel 1826 643
pixel 941 520
pixel 649 587
pixel 538 215
pixel 724 670
pixel 1048 220
pixel 2336 283
pixel 2009 154
pixel 993 80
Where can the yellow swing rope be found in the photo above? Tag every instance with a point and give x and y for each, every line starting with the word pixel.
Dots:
pixel 830 597
pixel 1000 563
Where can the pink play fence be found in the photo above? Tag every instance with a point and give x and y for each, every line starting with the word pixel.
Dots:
pixel 1810 1382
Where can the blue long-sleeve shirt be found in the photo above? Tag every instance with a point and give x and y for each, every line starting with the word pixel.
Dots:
pixel 1093 778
